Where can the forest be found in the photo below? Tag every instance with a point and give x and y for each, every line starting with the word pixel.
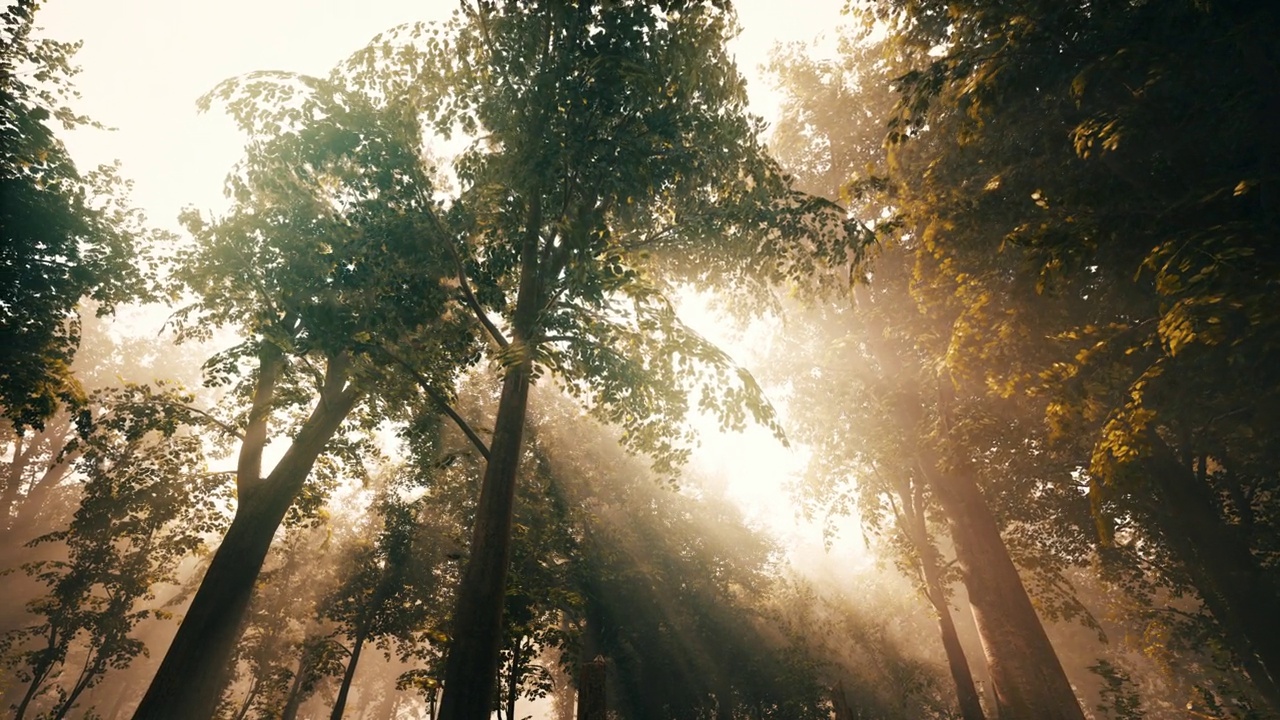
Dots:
pixel 425 434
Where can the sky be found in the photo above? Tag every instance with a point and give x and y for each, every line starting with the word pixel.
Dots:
pixel 146 61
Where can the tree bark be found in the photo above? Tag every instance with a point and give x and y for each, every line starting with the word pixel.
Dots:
pixel 340 705
pixel 592 703
pixel 1026 675
pixel 1226 573
pixel 471 668
pixel 477 636
pixel 913 522
pixel 194 669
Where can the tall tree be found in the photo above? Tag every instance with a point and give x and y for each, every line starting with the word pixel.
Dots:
pixel 609 130
pixel 1095 184
pixel 936 442
pixel 329 268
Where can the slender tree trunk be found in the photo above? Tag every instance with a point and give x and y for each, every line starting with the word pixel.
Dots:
pixel 293 700
pixel 340 705
pixel 957 661
pixel 913 509
pixel 76 692
pixel 248 699
pixel 513 682
pixel 194 669
pixel 472 665
pixel 1026 675
pixel 1227 575
pixel 37 680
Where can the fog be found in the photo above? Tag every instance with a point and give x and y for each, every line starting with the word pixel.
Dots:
pixel 639 360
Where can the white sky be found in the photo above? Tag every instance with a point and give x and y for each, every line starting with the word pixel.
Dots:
pixel 146 61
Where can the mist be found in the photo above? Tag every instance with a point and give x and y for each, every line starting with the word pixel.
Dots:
pixel 523 371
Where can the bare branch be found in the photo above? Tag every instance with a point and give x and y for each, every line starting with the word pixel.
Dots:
pixel 441 403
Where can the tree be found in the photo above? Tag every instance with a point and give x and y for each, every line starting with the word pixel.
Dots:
pixel 67 236
pixel 937 439
pixel 147 503
pixel 1104 197
pixel 392 592
pixel 609 131
pixel 329 267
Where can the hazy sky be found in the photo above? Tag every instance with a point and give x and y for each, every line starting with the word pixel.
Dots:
pixel 146 61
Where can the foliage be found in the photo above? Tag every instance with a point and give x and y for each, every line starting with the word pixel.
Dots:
pixel 67 236
pixel 1091 189
pixel 147 503
pixel 1119 700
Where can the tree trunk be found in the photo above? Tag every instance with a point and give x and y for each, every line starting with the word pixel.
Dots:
pixel 470 669
pixel 840 703
pixel 37 679
pixel 1026 676
pixel 1227 575
pixel 293 700
pixel 340 705
pixel 513 681
pixel 477 621
pixel 194 669
pixel 248 699
pixel 912 498
pixel 81 685
pixel 592 703
pixel 957 661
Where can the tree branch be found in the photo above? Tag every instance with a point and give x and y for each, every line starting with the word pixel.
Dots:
pixel 469 297
pixel 441 403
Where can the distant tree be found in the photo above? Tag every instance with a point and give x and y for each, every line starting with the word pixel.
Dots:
pixel 67 236
pixel 148 502
pixel 392 590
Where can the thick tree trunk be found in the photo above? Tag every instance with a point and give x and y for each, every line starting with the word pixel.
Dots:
pixel 592 703
pixel 1026 676
pixel 193 671
pixel 471 668
pixel 477 636
pixel 340 705
pixel 1226 573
